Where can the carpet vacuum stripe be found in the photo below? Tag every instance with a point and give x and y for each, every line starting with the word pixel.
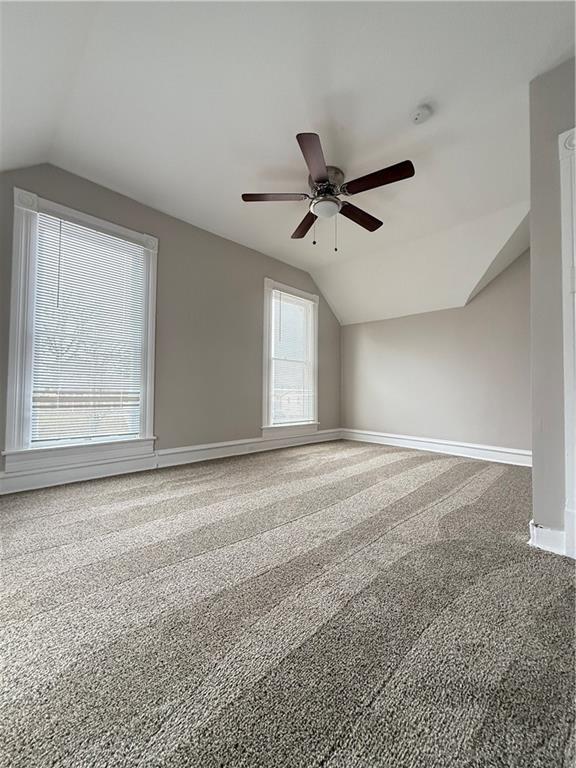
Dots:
pixel 336 605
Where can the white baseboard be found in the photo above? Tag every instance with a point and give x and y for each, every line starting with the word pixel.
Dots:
pixel 168 457
pixel 550 539
pixel 30 477
pixel 518 456
pixel 27 480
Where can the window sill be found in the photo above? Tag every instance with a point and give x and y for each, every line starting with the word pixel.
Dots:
pixel 66 456
pixel 290 430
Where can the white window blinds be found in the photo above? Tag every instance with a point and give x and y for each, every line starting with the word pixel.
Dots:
pixel 292 376
pixel 89 335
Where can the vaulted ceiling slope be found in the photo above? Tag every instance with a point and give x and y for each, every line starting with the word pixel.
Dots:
pixel 184 106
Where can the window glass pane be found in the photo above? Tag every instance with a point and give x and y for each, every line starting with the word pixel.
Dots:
pixel 291 396
pixel 290 335
pixel 292 387
pixel 89 335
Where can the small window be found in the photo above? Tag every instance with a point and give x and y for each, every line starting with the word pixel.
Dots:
pixel 81 371
pixel 290 367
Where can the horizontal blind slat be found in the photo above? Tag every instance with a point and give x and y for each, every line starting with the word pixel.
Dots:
pixel 89 334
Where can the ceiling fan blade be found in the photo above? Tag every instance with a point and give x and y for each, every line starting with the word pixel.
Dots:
pixel 403 170
pixel 312 151
pixel 280 196
pixel 357 215
pixel 304 226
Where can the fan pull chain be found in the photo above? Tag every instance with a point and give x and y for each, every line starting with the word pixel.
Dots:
pixel 336 232
pixel 314 233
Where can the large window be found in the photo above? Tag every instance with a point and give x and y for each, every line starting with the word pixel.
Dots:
pixel 82 329
pixel 290 367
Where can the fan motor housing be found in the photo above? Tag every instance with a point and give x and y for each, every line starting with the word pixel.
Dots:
pixel 331 187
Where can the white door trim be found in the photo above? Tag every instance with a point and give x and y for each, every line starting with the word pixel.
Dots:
pixel 566 146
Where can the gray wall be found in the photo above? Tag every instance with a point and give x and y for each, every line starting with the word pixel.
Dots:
pixel 457 374
pixel 551 113
pixel 209 315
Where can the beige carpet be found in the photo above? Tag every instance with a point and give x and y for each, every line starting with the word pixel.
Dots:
pixel 338 605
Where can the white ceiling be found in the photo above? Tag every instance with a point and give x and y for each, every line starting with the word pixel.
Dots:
pixel 184 106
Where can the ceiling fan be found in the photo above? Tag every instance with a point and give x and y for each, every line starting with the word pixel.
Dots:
pixel 327 184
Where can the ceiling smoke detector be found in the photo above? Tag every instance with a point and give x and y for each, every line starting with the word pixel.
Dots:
pixel 422 113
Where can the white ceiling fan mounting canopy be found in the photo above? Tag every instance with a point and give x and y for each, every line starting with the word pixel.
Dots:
pixel 325 207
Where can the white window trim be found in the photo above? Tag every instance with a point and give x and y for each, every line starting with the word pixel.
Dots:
pixel 567 150
pixel 18 452
pixel 286 430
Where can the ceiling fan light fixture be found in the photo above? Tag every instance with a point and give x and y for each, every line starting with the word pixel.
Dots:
pixel 325 207
pixel 326 183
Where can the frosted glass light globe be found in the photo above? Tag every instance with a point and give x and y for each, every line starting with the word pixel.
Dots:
pixel 325 207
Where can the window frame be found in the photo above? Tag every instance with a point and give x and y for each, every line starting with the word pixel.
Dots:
pixel 27 206
pixel 300 428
